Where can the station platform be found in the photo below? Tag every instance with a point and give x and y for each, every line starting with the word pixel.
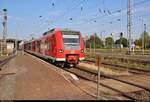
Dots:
pixel 34 80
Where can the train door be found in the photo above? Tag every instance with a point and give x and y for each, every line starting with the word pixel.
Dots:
pixel 50 46
pixel 38 46
pixel 46 46
pixel 30 46
pixel 53 45
pixel 42 47
pixel 33 46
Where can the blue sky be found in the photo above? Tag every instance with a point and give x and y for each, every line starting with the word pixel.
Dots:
pixel 96 16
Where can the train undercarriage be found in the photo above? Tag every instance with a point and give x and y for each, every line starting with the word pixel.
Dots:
pixel 65 64
pixel 71 61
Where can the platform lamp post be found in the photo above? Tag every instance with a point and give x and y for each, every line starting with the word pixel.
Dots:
pixel 4 30
pixel 1 45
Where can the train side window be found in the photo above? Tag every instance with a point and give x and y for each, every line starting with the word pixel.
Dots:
pixel 49 44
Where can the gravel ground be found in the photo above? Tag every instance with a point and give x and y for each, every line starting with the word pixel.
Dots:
pixel 35 80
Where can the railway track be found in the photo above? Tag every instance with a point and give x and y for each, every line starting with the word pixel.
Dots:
pixel 2 63
pixel 137 59
pixel 118 55
pixel 119 67
pixel 115 78
pixel 130 69
pixel 93 77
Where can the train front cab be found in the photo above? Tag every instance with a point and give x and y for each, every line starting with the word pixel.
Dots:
pixel 71 47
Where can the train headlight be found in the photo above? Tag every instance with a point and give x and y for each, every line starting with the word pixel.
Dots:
pixel 61 51
pixel 82 51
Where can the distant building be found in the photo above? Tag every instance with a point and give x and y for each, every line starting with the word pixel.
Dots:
pixel 118 46
pixel 10 45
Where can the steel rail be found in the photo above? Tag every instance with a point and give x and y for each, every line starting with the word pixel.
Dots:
pixel 130 69
pixel 3 62
pixel 84 77
pixel 114 78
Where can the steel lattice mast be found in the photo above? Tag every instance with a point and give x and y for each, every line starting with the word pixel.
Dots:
pixel 129 25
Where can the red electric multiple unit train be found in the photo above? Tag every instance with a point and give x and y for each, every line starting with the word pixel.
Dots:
pixel 60 46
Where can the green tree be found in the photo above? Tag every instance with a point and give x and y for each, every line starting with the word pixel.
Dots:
pixel 146 39
pixel 138 42
pixel 95 39
pixel 109 41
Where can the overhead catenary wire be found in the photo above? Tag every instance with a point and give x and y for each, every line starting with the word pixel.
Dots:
pixel 94 19
pixel 64 14
pixel 135 4
pixel 113 12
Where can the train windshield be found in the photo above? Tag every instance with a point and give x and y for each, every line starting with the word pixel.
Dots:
pixel 71 40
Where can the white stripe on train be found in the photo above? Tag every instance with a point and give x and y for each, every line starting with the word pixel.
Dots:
pixel 53 58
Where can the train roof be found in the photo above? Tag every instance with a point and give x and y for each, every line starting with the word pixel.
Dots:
pixel 52 31
pixel 59 29
pixel 66 29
